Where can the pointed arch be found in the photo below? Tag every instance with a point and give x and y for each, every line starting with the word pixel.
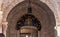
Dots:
pixel 40 10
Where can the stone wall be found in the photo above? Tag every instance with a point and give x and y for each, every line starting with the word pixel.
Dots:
pixel 7 5
pixel 39 10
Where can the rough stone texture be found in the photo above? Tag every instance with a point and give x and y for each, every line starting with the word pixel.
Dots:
pixel 40 10
pixel 9 4
pixel 53 4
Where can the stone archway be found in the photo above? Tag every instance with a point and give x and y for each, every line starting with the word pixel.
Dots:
pixel 40 10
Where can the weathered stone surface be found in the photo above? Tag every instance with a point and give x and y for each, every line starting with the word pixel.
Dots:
pixel 40 10
pixel 53 4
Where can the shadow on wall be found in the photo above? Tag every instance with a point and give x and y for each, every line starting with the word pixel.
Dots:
pixel 2 35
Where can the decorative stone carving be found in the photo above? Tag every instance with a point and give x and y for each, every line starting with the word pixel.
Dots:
pixel 40 10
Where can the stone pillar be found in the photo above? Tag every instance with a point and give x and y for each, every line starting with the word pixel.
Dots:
pixel 1 16
pixel 4 27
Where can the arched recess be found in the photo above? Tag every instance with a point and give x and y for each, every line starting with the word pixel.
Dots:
pixel 39 10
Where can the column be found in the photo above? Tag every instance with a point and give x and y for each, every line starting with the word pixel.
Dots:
pixel 4 24
pixel 1 17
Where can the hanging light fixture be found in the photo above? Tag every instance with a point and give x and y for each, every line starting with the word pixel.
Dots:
pixel 28 26
pixel 29 7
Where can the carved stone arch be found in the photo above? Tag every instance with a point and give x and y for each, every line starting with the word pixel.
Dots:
pixel 40 10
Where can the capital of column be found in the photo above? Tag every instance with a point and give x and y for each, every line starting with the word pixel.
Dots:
pixel 4 23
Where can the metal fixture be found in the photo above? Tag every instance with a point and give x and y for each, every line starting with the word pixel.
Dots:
pixel 28 25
